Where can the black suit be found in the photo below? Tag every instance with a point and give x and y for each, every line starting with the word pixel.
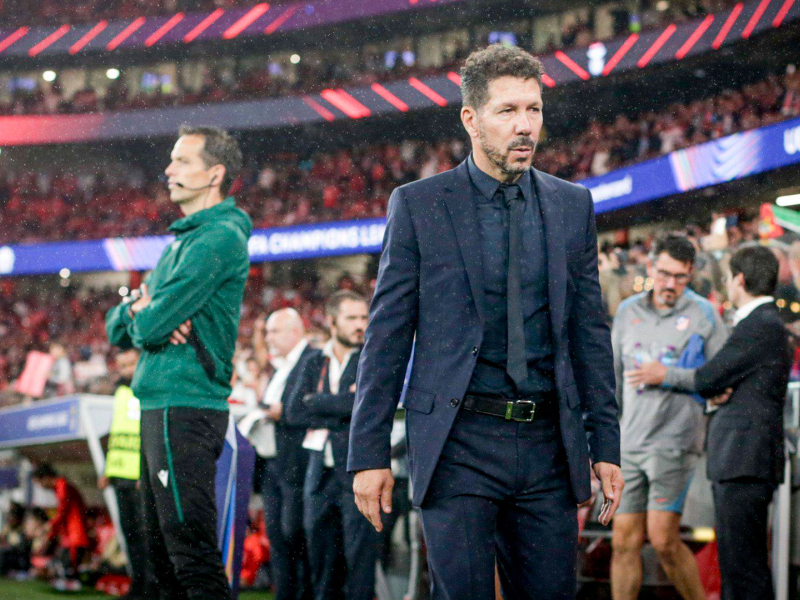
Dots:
pixel 745 446
pixel 491 491
pixel 282 490
pixel 333 525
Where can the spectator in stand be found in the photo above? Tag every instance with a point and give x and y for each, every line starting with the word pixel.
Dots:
pixel 68 526
pixel 122 473
pixel 60 382
pixel 355 183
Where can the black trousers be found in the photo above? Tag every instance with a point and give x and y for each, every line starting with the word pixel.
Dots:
pixel 180 447
pixel 283 516
pixel 335 530
pixel 501 495
pixel 131 517
pixel 741 507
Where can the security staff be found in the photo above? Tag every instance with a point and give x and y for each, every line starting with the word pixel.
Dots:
pixel 122 474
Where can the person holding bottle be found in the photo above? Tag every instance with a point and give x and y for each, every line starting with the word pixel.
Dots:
pixel 661 429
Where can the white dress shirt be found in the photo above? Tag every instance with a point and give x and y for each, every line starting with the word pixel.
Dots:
pixel 335 371
pixel 744 311
pixel 256 427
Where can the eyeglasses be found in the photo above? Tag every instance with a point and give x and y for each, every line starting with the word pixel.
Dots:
pixel 680 278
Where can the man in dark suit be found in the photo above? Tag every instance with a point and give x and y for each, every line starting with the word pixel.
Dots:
pixel 749 376
pixel 492 269
pixel 285 461
pixel 323 402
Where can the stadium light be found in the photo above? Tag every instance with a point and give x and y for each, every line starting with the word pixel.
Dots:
pixel 792 200
pixel 49 75
pixel 294 59
pixel 112 73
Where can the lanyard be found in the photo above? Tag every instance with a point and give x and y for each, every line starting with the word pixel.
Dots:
pixel 323 375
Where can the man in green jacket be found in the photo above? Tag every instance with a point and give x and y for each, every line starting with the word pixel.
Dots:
pixel 184 319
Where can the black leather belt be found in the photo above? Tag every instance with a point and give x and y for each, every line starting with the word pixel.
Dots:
pixel 522 410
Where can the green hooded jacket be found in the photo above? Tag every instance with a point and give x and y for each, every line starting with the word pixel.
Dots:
pixel 200 276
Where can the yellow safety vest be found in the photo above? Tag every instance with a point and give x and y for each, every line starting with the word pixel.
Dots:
pixel 124 440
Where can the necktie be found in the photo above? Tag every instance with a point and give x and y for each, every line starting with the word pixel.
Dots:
pixel 517 364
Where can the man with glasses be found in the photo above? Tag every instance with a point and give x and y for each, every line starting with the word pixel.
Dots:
pixel 662 429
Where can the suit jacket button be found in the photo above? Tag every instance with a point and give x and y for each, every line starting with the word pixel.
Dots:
pixel 454 402
pixel 475 351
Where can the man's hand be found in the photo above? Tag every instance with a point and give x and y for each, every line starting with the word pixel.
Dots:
pixel 652 373
pixel 610 477
pixel 722 398
pixel 373 490
pixel 143 301
pixel 274 411
pixel 181 334
pixel 102 482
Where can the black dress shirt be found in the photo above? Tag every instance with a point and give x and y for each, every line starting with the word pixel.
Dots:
pixel 489 376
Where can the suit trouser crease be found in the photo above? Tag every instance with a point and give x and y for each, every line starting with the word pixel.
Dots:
pixel 283 516
pixel 340 541
pixel 742 507
pixel 501 495
pixel 180 447
pixel 131 517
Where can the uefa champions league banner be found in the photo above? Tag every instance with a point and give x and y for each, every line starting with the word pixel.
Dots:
pixel 141 254
pixel 729 158
pixel 732 157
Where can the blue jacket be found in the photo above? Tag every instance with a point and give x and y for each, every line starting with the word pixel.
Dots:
pixel 430 289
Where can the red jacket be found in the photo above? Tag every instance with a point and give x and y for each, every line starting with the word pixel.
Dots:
pixel 70 520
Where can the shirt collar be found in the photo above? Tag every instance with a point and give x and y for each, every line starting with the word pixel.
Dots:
pixel 488 185
pixel 744 311
pixel 327 350
pixel 290 360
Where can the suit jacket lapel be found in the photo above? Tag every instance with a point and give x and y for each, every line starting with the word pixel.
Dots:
pixel 464 215
pixel 553 222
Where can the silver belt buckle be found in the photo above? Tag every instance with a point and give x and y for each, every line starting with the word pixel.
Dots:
pixel 510 411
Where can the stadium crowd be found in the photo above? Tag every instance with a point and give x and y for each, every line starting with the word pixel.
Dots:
pixel 70 324
pixel 288 189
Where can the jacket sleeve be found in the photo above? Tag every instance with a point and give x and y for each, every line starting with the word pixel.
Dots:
pixel 736 361
pixel 296 412
pixel 205 264
pixel 388 341
pixel 591 352
pixel 118 322
pixel 331 405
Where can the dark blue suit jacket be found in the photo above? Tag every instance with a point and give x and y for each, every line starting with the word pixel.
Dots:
pixel 292 458
pixel 430 287
pixel 309 408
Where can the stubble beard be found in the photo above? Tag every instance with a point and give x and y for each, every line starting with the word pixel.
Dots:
pixel 501 159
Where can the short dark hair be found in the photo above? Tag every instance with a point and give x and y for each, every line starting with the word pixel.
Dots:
pixel 220 148
pixel 484 66
pixel 759 267
pixel 335 301
pixel 677 246
pixel 43 471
